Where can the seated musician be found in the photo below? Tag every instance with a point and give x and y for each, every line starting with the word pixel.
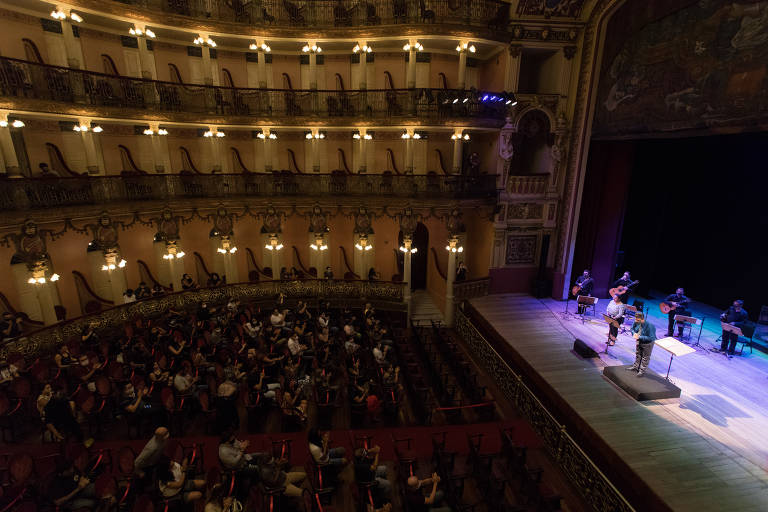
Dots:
pixel 680 302
pixel 584 283
pixel 615 310
pixel 737 316
pixel 624 280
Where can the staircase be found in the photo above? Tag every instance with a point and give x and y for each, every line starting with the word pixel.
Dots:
pixel 423 310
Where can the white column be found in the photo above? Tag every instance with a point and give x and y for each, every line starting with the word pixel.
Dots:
pixel 267 150
pixel 160 154
pixel 312 70
pixel 91 147
pixel 409 152
pixel 449 278
pixel 261 66
pixel 362 165
pixel 363 61
pixel 407 243
pixel 410 77
pixel 207 68
pixel 458 144
pixel 146 60
pixel 512 71
pixel 462 69
pixel 9 162
pixel 71 45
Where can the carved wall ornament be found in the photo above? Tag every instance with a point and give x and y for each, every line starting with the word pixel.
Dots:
pixel 521 249
pixel 363 222
pixel 167 226
pixel 455 223
pixel 569 52
pixel 506 144
pixel 105 234
pixel 272 221
pixel 318 220
pixel 30 245
pixel 223 224
pixel 408 221
pixel 525 211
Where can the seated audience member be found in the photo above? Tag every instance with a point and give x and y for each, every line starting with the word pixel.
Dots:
pixel 328 274
pixel 143 291
pixel 63 359
pixel 60 418
pixel 217 500
pixel 158 290
pixel 214 280
pixel 322 453
pixel 11 326
pixel 367 469
pixel 272 476
pixel 150 455
pixel 128 296
pixel 70 490
pixel 233 455
pixel 133 402
pixel 418 502
pixel 187 283
pixel 45 396
pixel 172 480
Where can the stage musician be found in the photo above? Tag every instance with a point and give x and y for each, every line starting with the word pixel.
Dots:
pixel 681 301
pixel 645 334
pixel 737 316
pixel 615 310
pixel 585 284
pixel 624 280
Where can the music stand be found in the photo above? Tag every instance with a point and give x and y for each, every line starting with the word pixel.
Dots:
pixel 587 302
pixel 689 321
pixel 732 329
pixel 610 321
pixel 675 348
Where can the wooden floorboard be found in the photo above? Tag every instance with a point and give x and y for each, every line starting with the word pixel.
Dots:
pixel 706 451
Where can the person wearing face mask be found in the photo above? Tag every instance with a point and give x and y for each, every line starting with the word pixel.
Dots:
pixel 134 403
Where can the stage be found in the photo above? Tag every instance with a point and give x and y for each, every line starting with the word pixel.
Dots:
pixel 703 451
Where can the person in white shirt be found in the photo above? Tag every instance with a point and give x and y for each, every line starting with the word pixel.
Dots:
pixel 128 296
pixel 277 319
pixel 172 480
pixel 252 328
pixel 322 453
pixel 380 353
pixel 294 346
pixel 615 310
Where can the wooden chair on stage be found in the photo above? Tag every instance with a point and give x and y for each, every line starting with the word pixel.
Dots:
pixel 748 331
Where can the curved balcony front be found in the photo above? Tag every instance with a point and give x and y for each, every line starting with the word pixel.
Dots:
pixel 38 193
pixel 51 89
pixel 293 17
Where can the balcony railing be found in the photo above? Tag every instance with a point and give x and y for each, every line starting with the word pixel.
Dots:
pixel 382 295
pixel 24 79
pixel 323 14
pixel 470 288
pixel 31 193
pixel 528 185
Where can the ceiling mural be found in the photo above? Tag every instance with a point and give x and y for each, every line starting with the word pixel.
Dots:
pixel 701 66
pixel 549 8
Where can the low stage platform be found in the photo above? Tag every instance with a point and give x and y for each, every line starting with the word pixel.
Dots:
pixel 703 451
pixel 650 386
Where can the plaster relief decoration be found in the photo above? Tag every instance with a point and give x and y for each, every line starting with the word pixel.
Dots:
pixel 525 211
pixel 30 245
pixel 167 226
pixel 223 226
pixel 272 221
pixel 104 234
pixel 702 66
pixel 549 8
pixel 363 222
pixel 455 223
pixel 521 249
pixel 408 221
pixel 318 220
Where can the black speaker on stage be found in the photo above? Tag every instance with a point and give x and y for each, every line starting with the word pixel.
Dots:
pixel 583 349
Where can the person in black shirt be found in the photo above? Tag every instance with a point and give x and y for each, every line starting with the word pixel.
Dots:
pixel 157 290
pixel 681 301
pixel 143 291
pixel 70 490
pixel 328 273
pixel 737 316
pixel 10 326
pixel 60 421
pixel 214 280
pixel 461 272
pixel 418 502
pixel 372 276
pixel 624 280
pixel 585 284
pixel 367 469
pixel 187 283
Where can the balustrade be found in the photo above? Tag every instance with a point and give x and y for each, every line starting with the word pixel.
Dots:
pixel 324 14
pixel 24 79
pixel 33 193
pixel 528 185
pixel 471 288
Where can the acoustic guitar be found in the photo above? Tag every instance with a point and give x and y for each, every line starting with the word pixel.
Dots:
pixel 666 307
pixel 621 290
pixel 577 288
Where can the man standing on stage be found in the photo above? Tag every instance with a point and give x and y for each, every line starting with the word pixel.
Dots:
pixel 681 301
pixel 737 316
pixel 624 280
pixel 615 310
pixel 585 284
pixel 645 334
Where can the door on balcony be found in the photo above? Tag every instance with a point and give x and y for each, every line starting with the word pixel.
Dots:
pixel 419 259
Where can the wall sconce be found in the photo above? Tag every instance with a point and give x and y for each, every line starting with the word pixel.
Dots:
pixel 61 15
pixel 42 280
pixel 262 46
pixel 464 46
pixel 316 135
pixel 160 131
pixel 356 135
pixel 262 135
pixel 319 244
pixel 110 265
pixel 207 41
pixel 364 48
pixel 210 133
pixel 311 48
pixel 171 255
pixel 457 136
pixel 406 135
pixel 16 124
pixel 136 31
pixel 453 246
pixel 363 244
pixel 224 250
pixel 416 46
pixel 273 244
pixel 406 250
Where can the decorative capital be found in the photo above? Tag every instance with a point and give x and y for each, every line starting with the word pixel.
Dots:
pixel 569 52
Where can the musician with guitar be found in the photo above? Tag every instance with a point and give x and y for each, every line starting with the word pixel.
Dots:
pixel 583 286
pixel 675 304
pixel 623 287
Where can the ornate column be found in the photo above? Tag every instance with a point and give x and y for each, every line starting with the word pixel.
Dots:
pixel 412 47
pixel 408 137
pixel 313 138
pixel 146 59
pixel 256 64
pixel 569 52
pixel 455 225
pixel 312 49
pixel 218 159
pixel 9 162
pixel 362 137
pixel 71 44
pixel 362 49
pixel 463 48
pixel 158 145
pixel 512 71
pixel 91 145
pixel 264 140
pixel 458 137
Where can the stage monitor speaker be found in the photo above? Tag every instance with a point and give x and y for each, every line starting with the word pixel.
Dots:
pixel 583 349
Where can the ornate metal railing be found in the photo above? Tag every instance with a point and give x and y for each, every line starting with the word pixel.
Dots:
pixel 594 485
pixel 486 14
pixel 383 295
pixel 470 288
pixel 24 79
pixel 527 185
pixel 31 193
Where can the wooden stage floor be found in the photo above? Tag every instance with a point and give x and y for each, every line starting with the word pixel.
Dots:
pixel 707 450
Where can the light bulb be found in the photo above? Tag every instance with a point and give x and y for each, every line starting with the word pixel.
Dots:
pixel 180 254
pixel 134 31
pixel 111 266
pixel 253 46
pixel 18 124
pixel 148 131
pixel 75 17
pixel 150 34
pixel 308 136
pixel 209 133
pixel 272 136
pixel 358 247
pixel 356 136
pixel 54 278
pixel 466 137
pixel 472 49
pixel 269 247
pixel 76 128
pixel 162 131
pixel 104 267
pixel 211 42
pixel 220 134
pixel 413 251
pixel 261 135
pixel 233 250
pixel 461 249
pixel 279 246
pixel 405 136
pixel 367 136
pixel 3 124
pixel 323 247
pixel 368 247
pixel 417 136
pixel 356 48
pixel 265 47
pixel 447 247
pixel 122 263
pixel 403 249
pixel 406 47
pixel 305 49
pixel 32 280
pixel 221 251
pixel 167 256
pixel 98 129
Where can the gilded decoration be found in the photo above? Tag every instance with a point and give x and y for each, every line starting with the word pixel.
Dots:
pixel 595 486
pixel 521 249
pixel 550 8
pixel 363 222
pixel 525 211
pixel 272 221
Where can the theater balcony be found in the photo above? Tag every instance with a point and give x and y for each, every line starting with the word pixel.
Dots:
pixel 24 194
pixel 36 87
pixel 330 17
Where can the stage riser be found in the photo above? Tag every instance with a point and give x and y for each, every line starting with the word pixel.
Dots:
pixel 583 349
pixel 650 386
